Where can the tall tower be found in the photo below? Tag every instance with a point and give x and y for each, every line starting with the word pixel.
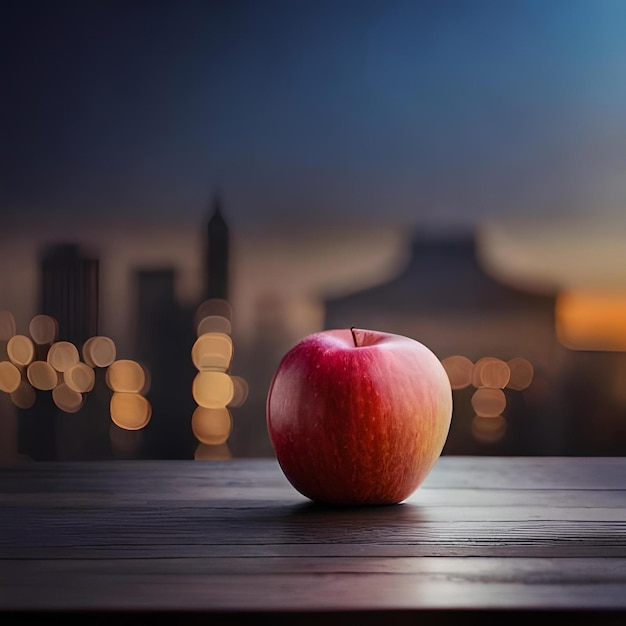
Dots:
pixel 217 253
pixel 69 293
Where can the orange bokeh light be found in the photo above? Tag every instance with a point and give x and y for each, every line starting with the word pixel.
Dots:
pixel 212 351
pixel 213 390
pixel 130 411
pixel 21 350
pixel 62 355
pixel 43 329
pixel 41 375
pixel 10 377
pixel 99 351
pixel 459 370
pixel 488 402
pixel 490 372
pixel 126 376
pixel 211 426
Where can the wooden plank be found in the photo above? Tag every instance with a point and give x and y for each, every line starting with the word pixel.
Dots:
pixel 538 570
pixel 150 477
pixel 234 536
pixel 421 584
pixel 29 528
pixel 202 496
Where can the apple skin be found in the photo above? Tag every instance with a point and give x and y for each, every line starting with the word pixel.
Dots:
pixel 358 417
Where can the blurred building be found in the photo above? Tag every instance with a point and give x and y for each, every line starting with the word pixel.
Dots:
pixel 164 335
pixel 446 300
pixel 144 287
pixel 217 255
pixel 69 291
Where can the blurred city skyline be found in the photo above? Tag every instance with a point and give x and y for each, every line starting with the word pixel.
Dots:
pixel 568 351
pixel 335 133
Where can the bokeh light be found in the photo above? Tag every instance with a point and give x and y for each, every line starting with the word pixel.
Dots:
pixel 212 351
pixel 205 452
pixel 211 426
pixel 42 362
pixel 62 355
pixel 67 399
pixel 43 329
pixel 522 373
pixel 240 391
pixel 130 411
pixel 488 429
pixel 212 390
pixel 10 377
pixel 21 350
pixel 80 377
pixel 488 402
pixel 41 375
pixel 214 324
pixel 126 376
pixel 99 351
pixel 490 372
pixel 459 370
pixel 213 308
pixel 24 397
pixel 124 442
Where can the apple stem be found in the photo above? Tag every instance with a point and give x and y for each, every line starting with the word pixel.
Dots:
pixel 356 345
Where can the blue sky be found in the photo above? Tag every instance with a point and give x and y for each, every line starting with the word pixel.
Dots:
pixel 391 112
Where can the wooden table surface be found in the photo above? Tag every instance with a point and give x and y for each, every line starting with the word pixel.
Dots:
pixel 483 536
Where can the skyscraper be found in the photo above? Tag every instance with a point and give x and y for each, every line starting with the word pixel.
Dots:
pixel 69 291
pixel 217 253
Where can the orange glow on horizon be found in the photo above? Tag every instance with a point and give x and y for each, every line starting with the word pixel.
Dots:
pixel 591 320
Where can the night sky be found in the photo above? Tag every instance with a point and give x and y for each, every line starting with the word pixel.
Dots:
pixel 391 111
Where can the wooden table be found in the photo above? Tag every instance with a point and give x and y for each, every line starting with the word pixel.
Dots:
pixel 231 539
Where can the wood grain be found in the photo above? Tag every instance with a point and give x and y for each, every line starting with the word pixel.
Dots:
pixel 232 539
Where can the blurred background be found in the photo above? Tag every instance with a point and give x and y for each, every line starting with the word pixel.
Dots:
pixel 252 172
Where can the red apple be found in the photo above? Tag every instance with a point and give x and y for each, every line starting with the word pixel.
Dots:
pixel 358 417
